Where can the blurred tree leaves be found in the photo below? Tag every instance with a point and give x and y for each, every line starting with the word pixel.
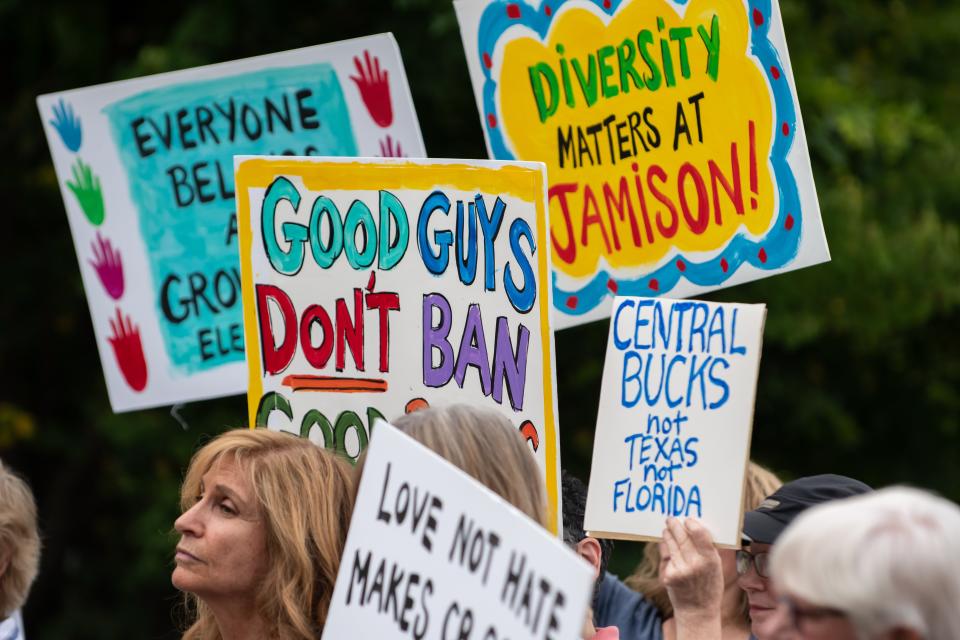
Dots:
pixel 861 364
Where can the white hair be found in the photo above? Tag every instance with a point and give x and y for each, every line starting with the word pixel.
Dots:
pixel 888 559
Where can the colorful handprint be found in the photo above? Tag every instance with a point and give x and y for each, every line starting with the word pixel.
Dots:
pixel 108 266
pixel 374 89
pixel 128 351
pixel 390 148
pixel 86 186
pixel 67 125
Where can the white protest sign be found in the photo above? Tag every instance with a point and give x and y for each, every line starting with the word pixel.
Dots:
pixel 675 417
pixel 373 287
pixel 434 554
pixel 146 172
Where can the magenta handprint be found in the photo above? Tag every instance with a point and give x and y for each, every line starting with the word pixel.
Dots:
pixel 128 350
pixel 390 148
pixel 108 266
pixel 374 89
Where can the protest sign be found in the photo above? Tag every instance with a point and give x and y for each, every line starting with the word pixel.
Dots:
pixel 146 172
pixel 432 553
pixel 672 135
pixel 675 417
pixel 374 287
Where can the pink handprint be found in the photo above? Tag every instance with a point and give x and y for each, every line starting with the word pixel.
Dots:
pixel 108 266
pixel 390 148
pixel 128 350
pixel 374 89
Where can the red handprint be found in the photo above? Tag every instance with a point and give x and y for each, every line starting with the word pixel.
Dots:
pixel 108 266
pixel 390 148
pixel 129 351
pixel 374 89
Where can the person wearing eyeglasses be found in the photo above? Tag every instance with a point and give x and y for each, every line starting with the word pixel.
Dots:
pixel 762 528
pixel 882 566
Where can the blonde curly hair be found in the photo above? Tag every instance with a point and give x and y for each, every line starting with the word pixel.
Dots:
pixel 305 497
pixel 19 541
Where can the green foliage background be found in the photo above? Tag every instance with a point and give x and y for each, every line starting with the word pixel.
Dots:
pixel 861 364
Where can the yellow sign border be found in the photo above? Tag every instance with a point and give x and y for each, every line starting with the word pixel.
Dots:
pixel 523 182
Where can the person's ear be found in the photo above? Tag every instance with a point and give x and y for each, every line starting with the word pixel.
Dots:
pixel 589 550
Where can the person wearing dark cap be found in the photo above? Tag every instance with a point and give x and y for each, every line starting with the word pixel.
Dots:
pixel 761 529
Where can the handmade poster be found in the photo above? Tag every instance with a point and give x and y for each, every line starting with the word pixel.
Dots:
pixel 675 417
pixel 146 171
pixel 372 287
pixel 433 554
pixel 676 154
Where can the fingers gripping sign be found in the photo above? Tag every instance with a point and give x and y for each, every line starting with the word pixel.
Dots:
pixel 693 578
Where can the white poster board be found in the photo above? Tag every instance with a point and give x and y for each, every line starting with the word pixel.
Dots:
pixel 145 168
pixel 672 135
pixel 373 287
pixel 675 417
pixel 433 554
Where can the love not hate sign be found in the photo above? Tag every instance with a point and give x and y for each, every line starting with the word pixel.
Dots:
pixel 674 423
pixel 433 554
pixel 375 287
pixel 672 136
pixel 146 173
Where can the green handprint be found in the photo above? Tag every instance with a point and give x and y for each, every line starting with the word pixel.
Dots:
pixel 86 187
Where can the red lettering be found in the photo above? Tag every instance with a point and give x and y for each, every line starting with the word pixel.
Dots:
pixel 276 359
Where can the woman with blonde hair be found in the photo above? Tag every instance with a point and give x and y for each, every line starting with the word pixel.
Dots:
pixel 19 549
pixel 650 613
pixel 265 517
pixel 483 444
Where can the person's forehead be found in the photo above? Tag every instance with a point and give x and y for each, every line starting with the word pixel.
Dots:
pixel 226 472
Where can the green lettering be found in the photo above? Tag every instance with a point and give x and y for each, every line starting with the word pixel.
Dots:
pixel 606 71
pixel 626 52
pixel 644 40
pixel 588 85
pixel 712 44
pixel 537 73
pixel 680 35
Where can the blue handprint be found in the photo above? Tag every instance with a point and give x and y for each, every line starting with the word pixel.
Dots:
pixel 67 125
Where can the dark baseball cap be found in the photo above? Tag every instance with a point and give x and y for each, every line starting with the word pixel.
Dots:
pixel 765 523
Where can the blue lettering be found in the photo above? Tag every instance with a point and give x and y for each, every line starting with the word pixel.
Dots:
pixel 523 298
pixel 286 262
pixel 617 341
pixel 435 263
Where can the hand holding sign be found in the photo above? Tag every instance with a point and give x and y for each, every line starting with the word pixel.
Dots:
pixel 693 578
pixel 692 574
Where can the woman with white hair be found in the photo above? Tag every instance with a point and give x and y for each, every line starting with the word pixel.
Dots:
pixel 19 550
pixel 881 566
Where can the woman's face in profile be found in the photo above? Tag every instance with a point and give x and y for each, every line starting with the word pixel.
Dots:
pixel 223 546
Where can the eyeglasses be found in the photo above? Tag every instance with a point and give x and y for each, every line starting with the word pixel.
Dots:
pixel 760 562
pixel 798 614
